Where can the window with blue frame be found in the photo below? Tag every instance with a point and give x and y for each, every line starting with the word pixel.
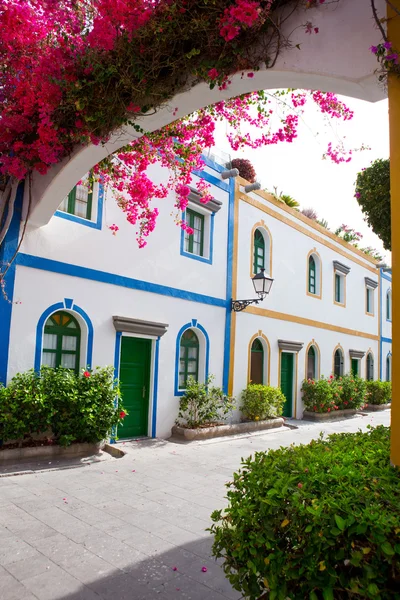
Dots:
pixel 200 219
pixel 79 201
pixel 84 204
pixel 389 305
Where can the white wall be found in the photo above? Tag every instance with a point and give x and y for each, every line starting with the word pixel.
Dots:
pixel 101 301
pixel 160 261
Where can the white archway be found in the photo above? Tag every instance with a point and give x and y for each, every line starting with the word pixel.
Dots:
pixel 321 62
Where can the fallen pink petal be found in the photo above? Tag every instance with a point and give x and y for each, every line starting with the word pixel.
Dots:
pixel 174 568
pixel 204 569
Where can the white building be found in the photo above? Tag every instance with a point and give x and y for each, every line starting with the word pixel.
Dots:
pixel 79 296
pixel 385 372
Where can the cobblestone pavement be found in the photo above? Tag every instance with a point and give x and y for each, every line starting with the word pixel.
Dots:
pixel 117 529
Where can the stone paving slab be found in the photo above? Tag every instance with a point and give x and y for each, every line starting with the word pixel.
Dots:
pixel 118 529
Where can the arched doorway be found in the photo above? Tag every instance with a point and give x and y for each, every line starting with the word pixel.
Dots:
pixel 257 362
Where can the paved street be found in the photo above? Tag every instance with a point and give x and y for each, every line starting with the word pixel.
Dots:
pixel 130 528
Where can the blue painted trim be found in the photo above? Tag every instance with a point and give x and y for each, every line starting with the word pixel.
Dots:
pixel 7 252
pixel 380 328
pixel 55 266
pixel 384 276
pixel 387 340
pixel 68 302
pixel 202 259
pixel 117 355
pixel 93 224
pixel 193 324
pixel 212 164
pixel 85 317
pixel 155 389
pixel 213 180
pixel 229 268
pixel 39 332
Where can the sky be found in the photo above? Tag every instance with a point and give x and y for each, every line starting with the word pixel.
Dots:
pixel 298 169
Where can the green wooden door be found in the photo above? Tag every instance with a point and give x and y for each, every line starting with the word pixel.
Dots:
pixel 354 366
pixel 134 377
pixel 287 361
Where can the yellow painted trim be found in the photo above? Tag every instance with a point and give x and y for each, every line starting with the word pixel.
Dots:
pixel 260 334
pixel 310 234
pixel 393 26
pixel 318 296
pixel 310 222
pixel 369 351
pixel 344 278
pixel 260 225
pixel 338 347
pixel 296 377
pixel 263 312
pixel 234 289
pixel 313 343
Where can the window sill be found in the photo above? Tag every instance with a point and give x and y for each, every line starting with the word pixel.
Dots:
pixel 314 295
pixel 202 259
pixel 75 219
pixel 342 304
pixel 369 314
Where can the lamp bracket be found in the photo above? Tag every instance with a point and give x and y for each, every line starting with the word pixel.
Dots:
pixel 238 305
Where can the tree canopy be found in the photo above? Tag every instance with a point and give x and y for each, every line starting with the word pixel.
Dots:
pixel 373 196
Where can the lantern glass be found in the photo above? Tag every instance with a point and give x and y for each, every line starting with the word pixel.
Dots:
pixel 262 283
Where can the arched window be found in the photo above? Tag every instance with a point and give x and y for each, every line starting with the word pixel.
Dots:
pixel 370 367
pixel 257 362
pixel 312 276
pixel 311 363
pixel 389 367
pixel 389 305
pixel 259 252
pixel 338 363
pixel 188 357
pixel 61 341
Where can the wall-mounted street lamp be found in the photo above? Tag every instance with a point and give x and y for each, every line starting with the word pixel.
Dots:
pixel 262 285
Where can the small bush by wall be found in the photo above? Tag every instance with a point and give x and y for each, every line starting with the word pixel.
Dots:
pixel 327 395
pixel 203 404
pixel 317 522
pixel 262 402
pixel 75 408
pixel 379 392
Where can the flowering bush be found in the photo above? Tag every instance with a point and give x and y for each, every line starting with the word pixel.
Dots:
pixel 379 392
pixel 262 402
pixel 74 407
pixel 320 395
pixel 203 404
pixel 64 83
pixel 317 521
pixel 328 395
pixel 245 168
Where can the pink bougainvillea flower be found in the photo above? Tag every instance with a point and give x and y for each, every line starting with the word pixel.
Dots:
pixel 374 49
pixel 86 374
pixel 251 75
pixel 174 568
pixel 213 74
pixel 122 414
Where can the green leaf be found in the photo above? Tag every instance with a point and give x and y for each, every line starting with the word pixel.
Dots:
pixel 341 523
pixel 313 596
pixel 327 594
pixel 387 548
pixel 373 589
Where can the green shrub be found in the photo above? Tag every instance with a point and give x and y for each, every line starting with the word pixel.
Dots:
pixel 202 404
pixel 262 402
pixel 314 522
pixel 326 395
pixel 352 391
pixel 24 409
pixel 379 392
pixel 320 395
pixel 74 407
